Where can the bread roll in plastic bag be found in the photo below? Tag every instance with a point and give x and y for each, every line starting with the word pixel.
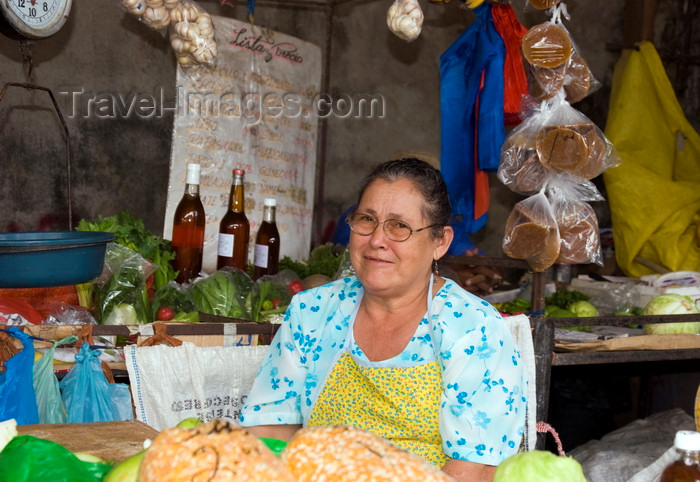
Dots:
pixel 577 222
pixel 555 63
pixel 531 233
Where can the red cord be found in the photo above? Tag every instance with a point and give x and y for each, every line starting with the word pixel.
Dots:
pixel 543 427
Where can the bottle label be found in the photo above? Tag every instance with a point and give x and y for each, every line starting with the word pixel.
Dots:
pixel 261 254
pixel 225 247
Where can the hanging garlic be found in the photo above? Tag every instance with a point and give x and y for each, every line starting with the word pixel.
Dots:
pixel 184 12
pixel 405 19
pixel 156 18
pixel 170 4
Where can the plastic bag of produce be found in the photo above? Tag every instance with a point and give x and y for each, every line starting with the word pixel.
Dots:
pixel 271 296
pixel 27 459
pixel 122 298
pixel 88 396
pixel 48 395
pixel 226 292
pixel 17 398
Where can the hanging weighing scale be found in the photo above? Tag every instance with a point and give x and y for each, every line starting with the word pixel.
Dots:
pixel 33 19
pixel 44 259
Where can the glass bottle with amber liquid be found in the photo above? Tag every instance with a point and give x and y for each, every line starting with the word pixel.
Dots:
pixel 188 229
pixel 267 243
pixel 234 229
pixel 686 467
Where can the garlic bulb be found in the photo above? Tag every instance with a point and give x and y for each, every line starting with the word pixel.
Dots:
pixel 156 17
pixel 405 19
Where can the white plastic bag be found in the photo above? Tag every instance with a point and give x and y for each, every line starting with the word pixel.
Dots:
pixel 169 384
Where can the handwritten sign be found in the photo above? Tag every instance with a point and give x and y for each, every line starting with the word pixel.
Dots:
pixel 252 110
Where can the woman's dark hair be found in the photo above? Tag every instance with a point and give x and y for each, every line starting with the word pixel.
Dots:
pixel 426 180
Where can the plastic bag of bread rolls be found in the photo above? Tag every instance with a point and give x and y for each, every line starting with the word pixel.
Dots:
pixel 531 232
pixel 577 222
pixel 568 141
pixel 520 168
pixel 554 60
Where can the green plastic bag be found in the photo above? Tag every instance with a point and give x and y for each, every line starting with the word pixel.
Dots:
pixel 48 395
pixel 654 195
pixel 28 459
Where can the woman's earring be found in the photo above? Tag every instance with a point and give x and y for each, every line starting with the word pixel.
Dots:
pixel 435 267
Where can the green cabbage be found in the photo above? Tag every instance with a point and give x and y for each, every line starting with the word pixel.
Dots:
pixel 582 308
pixel 539 466
pixel 671 304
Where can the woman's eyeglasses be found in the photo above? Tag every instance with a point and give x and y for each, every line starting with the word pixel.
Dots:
pixel 394 229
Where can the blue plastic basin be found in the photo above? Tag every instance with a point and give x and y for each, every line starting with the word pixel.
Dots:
pixel 45 259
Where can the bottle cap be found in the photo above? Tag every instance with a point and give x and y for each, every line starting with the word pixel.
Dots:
pixel 270 202
pixel 193 173
pixel 687 440
pixel 238 171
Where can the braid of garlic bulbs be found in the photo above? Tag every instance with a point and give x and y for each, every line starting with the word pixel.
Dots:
pixel 405 19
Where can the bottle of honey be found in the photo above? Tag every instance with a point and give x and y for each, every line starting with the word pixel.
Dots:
pixel 267 243
pixel 188 229
pixel 234 229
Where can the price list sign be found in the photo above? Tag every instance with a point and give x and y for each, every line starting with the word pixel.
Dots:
pixel 252 108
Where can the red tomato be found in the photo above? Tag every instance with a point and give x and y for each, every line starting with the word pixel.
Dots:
pixel 276 302
pixel 165 313
pixel 295 287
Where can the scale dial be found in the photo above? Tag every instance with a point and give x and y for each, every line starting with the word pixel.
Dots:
pixel 35 19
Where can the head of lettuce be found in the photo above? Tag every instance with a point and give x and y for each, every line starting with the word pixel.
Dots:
pixel 539 466
pixel 671 304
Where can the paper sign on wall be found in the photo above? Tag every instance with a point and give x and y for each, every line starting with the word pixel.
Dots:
pixel 251 110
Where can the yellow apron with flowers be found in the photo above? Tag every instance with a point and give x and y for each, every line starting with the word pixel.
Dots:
pixel 400 404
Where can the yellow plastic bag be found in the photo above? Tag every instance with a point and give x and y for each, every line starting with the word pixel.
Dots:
pixel 654 195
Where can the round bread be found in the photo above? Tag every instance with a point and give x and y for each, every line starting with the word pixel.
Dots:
pixel 545 83
pixel 578 79
pixel 597 154
pixel 344 453
pixel 520 168
pixel 578 230
pixel 543 4
pixel 562 148
pixel 546 45
pixel 531 236
pixel 214 451
pixel 531 176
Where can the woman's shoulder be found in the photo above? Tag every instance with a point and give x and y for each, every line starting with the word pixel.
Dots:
pixel 330 302
pixel 452 295
pixel 340 290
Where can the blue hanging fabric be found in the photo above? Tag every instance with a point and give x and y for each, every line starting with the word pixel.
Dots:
pixel 251 11
pixel 473 127
pixel 17 397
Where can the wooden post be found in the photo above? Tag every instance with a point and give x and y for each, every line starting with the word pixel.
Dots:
pixel 639 22
pixel 543 337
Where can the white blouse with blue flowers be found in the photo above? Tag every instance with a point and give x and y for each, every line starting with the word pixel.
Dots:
pixel 482 413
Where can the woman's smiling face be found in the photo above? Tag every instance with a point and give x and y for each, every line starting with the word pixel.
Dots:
pixel 391 267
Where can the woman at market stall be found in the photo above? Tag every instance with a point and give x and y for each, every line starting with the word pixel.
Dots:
pixel 397 350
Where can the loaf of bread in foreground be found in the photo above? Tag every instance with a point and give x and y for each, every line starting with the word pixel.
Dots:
pixel 349 454
pixel 214 451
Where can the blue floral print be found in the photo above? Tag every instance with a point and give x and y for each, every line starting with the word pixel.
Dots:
pixel 482 414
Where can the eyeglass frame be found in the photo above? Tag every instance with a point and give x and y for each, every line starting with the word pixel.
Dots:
pixel 383 223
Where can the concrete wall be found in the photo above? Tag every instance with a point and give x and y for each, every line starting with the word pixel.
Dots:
pixel 122 162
